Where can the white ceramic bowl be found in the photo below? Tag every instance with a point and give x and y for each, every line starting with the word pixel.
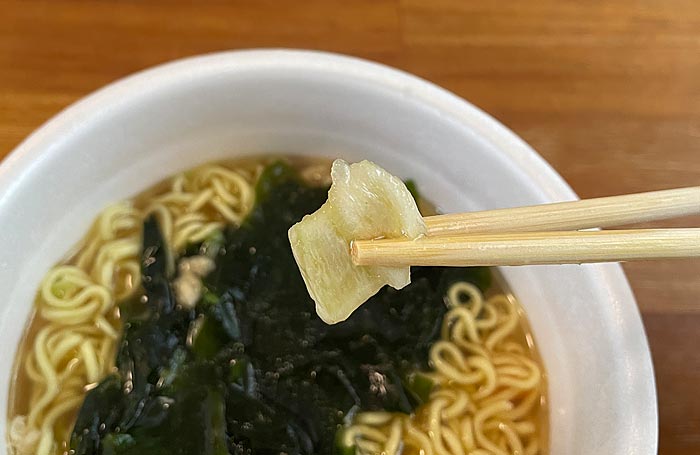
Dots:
pixel 135 132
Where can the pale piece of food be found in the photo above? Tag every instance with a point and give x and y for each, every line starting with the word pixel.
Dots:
pixel 188 284
pixel 364 202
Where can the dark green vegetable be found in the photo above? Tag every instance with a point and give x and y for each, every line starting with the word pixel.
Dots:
pixel 252 369
pixel 341 445
pixel 419 385
pixel 413 189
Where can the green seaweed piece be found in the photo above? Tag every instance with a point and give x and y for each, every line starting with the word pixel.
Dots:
pixel 413 189
pixel 252 369
pixel 100 411
pixel 420 386
pixel 341 445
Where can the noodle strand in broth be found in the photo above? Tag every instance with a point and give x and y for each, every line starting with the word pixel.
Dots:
pixel 76 307
pixel 487 394
pixel 486 386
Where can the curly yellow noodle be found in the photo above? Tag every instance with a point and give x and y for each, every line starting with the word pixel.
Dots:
pixel 461 321
pixel 368 447
pixel 488 391
pixel 393 443
pixel 474 298
pixel 467 434
pixel 506 328
pixel 435 426
pixel 77 301
pixel 417 439
pixel 458 406
pixel 489 318
pixel 452 440
pixel 481 417
pixel 524 428
pixel 373 418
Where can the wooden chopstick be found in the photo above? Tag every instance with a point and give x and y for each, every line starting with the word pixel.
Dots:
pixel 562 216
pixel 524 248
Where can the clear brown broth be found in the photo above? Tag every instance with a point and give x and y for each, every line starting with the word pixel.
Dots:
pixel 316 171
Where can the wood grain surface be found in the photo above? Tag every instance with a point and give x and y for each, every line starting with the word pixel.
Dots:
pixel 607 92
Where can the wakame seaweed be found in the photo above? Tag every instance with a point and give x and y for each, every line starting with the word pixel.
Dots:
pixel 252 369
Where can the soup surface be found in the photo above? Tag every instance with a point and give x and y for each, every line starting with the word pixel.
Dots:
pixel 181 325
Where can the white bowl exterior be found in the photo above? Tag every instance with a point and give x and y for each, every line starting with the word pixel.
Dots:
pixel 135 132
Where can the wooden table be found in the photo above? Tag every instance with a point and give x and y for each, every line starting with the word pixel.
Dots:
pixel 608 92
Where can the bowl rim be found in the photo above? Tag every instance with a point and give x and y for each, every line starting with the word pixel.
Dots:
pixel 19 162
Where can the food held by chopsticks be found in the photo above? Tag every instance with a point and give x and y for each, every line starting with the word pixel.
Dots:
pixel 364 202
pixel 370 232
